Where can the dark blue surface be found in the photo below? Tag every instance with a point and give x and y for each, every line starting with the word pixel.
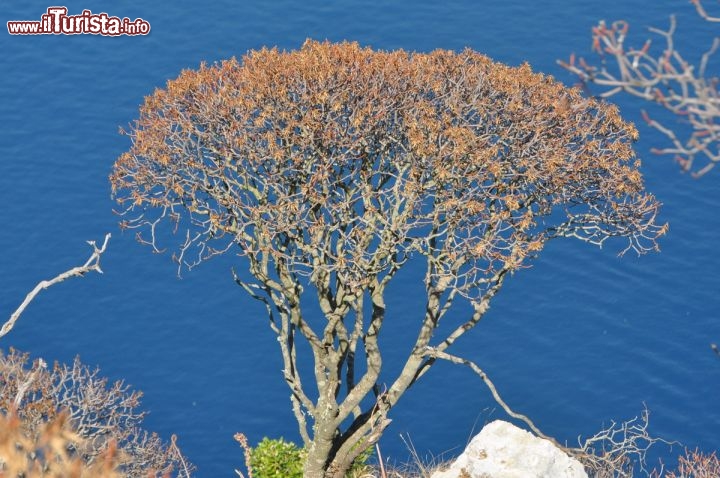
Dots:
pixel 581 338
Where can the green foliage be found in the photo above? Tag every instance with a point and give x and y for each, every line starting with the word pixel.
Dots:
pixel 359 466
pixel 277 458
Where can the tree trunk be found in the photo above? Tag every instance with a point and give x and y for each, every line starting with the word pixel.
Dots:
pixel 317 458
pixel 325 432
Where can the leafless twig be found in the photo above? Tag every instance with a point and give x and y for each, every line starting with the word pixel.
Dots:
pixel 243 441
pixel 663 77
pixel 92 264
pixel 696 464
pixel 179 455
pixel 25 384
pixel 496 395
pixel 616 450
pixel 703 13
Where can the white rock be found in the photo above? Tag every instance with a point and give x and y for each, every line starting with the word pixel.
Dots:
pixel 502 450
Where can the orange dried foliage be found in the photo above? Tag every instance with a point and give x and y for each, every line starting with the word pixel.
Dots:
pixel 696 464
pixel 354 142
pixel 51 453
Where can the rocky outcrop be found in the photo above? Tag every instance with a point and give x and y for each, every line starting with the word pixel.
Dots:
pixel 502 450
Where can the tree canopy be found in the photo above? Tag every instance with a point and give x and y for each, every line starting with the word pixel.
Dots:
pixel 330 166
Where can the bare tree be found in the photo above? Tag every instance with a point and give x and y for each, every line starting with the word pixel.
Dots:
pixel 330 167
pixel 665 78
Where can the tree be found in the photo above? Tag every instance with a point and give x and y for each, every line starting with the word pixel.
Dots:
pixel 330 167
pixel 665 78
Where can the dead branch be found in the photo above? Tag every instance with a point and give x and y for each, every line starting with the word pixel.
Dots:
pixel 92 264
pixel 663 77
pixel 702 12
pixel 247 452
pixel 432 352
pixel 616 450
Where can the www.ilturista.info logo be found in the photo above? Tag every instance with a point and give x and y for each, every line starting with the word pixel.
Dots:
pixel 57 22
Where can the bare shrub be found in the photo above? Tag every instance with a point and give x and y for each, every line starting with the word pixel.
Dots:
pixel 695 464
pixel 617 450
pixel 103 416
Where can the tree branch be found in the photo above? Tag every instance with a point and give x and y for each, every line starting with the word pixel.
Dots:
pixel 665 78
pixel 92 264
pixel 702 12
pixel 435 353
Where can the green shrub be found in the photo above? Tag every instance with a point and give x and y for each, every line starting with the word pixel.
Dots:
pixel 277 458
pixel 360 467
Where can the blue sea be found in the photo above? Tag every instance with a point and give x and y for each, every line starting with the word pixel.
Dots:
pixel 580 339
